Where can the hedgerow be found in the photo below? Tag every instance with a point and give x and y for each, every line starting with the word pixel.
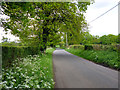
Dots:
pixel 10 53
pixel 112 47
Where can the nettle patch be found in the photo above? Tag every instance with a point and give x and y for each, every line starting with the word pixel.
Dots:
pixel 32 72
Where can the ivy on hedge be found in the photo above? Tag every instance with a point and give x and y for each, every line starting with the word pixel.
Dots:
pixel 10 53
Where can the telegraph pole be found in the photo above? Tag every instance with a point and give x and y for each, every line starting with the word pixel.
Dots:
pixel 66 40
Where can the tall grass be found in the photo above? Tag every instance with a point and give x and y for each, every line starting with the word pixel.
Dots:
pixel 106 58
pixel 31 72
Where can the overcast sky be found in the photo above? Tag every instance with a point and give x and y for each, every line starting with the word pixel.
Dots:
pixel 107 24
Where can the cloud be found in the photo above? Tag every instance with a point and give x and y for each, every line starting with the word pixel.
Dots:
pixel 102 3
pixel 107 24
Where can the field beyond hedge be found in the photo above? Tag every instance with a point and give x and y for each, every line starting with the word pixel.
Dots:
pixel 105 58
pixel 30 72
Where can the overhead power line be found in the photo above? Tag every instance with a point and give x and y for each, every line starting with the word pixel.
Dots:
pixel 105 12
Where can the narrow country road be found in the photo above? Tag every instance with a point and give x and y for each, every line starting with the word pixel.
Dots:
pixel 74 72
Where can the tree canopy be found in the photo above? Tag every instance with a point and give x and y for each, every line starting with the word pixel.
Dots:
pixel 43 23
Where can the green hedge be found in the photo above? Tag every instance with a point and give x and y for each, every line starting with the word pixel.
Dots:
pixel 81 47
pixel 10 53
pixel 89 47
pixel 113 47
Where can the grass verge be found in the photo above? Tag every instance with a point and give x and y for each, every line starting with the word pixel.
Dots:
pixel 105 58
pixel 31 72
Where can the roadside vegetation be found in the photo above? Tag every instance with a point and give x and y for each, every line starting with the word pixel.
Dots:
pixel 105 58
pixel 30 72
pixel 26 62
pixel 38 25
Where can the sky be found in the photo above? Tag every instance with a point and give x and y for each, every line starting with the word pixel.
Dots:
pixel 107 24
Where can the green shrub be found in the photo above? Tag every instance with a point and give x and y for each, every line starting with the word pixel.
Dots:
pixel 10 53
pixel 106 47
pixel 62 47
pixel 116 47
pixel 112 47
pixel 97 47
pixel 89 47
pixel 81 47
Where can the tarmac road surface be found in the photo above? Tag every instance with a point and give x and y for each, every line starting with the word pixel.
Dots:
pixel 74 72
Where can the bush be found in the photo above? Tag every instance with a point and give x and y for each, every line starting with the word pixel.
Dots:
pixel 81 47
pixel 10 53
pixel 89 47
pixel 97 47
pixel 116 47
pixel 113 47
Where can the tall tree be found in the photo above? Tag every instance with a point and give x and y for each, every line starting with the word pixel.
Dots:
pixel 36 22
pixel 109 39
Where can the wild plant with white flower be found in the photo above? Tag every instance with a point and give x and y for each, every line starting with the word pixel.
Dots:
pixel 31 72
